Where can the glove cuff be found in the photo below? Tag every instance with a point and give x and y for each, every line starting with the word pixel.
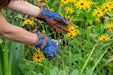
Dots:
pixel 41 16
pixel 44 40
pixel 40 11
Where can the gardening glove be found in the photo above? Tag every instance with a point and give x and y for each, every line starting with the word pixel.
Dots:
pixel 54 20
pixel 47 45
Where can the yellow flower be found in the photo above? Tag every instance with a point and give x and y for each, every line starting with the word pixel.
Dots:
pixel 65 1
pixel 83 4
pixel 38 57
pixel 50 8
pixel 91 58
pixel 42 1
pixel 109 25
pixel 98 12
pixel 110 29
pixel 71 34
pixel 61 4
pixel 72 1
pixel 28 22
pixel 71 28
pixel 61 15
pixel 104 38
pixel 68 9
pixel 98 19
pixel 89 27
pixel 77 31
pixel 43 31
pixel 72 31
pixel 67 17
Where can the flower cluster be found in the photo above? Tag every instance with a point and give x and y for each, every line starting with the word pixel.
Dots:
pixel 107 6
pixel 109 26
pixel 100 11
pixel 81 4
pixel 72 31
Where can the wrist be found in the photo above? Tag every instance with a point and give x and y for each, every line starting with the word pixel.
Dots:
pixel 36 40
pixel 41 41
pixel 41 15
pixel 40 11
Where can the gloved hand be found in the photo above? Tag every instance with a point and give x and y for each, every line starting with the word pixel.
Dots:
pixel 47 45
pixel 54 20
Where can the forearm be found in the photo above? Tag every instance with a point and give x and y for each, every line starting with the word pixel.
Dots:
pixel 25 8
pixel 18 34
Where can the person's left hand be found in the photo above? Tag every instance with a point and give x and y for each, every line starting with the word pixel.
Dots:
pixel 48 46
pixel 54 20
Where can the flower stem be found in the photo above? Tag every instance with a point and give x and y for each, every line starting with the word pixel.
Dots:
pixel 99 59
pixel 88 59
pixel 5 57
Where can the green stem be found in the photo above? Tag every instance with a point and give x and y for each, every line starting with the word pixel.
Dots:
pixel 88 59
pixel 99 60
pixel 1 61
pixel 70 60
pixel 5 57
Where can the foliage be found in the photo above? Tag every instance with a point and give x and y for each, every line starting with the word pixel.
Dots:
pixel 85 54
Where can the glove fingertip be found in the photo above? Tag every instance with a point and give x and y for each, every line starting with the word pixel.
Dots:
pixel 64 20
pixel 50 58
pixel 69 23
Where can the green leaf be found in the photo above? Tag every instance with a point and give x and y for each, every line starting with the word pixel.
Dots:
pixel 55 2
pixel 15 57
pixel 109 60
pixel 54 71
pixel 61 72
pixel 19 16
pixel 75 72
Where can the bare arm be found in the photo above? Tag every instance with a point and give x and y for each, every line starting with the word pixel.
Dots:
pixel 16 33
pixel 24 8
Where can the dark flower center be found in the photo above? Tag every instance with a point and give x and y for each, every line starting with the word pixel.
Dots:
pixel 82 3
pixel 28 22
pixel 71 29
pixel 106 7
pixel 38 57
pixel 98 13
pixel 69 11
pixel 110 4
pixel 103 38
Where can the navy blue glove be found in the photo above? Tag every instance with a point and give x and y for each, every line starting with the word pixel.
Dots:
pixel 47 45
pixel 54 20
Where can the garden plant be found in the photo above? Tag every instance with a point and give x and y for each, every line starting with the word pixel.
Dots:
pixel 86 49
